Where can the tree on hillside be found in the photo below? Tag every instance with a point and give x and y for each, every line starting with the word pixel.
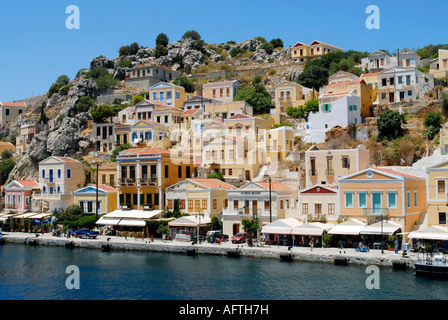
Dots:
pixel 433 123
pixel 313 77
pixel 186 83
pixel 101 113
pixel 63 78
pixel 160 51
pixel 390 125
pixel 193 34
pixel 277 43
pixel 129 50
pixel 162 40
pixel 257 96
pixel 84 104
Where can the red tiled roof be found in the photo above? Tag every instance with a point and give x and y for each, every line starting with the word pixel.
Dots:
pixel 214 183
pixel 397 173
pixel 28 183
pixel 346 83
pixel 240 116
pixel 274 185
pixel 369 74
pixel 13 104
pixel 335 94
pixel 191 111
pixel 106 188
pixel 67 159
pixel 144 151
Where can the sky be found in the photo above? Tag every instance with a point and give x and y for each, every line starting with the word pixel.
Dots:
pixel 36 46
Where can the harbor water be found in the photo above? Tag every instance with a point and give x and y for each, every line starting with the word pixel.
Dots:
pixel 41 273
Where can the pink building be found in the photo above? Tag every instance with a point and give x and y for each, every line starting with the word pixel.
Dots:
pixel 18 194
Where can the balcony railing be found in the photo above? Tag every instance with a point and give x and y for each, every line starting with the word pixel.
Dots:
pixel 148 181
pixel 127 181
pixel 375 211
pixel 329 172
pixel 313 172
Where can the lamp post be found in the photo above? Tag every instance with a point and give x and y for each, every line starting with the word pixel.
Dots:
pixel 266 176
pixel 97 202
pixel 199 225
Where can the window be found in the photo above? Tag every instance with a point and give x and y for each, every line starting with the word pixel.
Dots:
pixel 112 180
pixel 408 80
pixel 392 200
pixel 215 204
pixel 204 204
pixel 235 204
pixel 384 82
pixel 409 92
pixel 59 173
pixel 182 204
pixel 230 172
pixel 154 96
pixel 228 92
pixel 400 80
pixel 345 162
pixel 348 199
pixel 266 205
pixel 179 172
pixel 440 189
pixel 190 204
pixel 442 217
pixel 331 208
pixel 7 112
pixel 415 198
pixel 214 93
pixel 177 95
pixel 161 96
pixel 170 204
pixel 69 173
pixel 362 199
pixel 168 95
pixel 281 204
pixel 408 198
pixel 166 172
pixel 304 208
pixel 43 174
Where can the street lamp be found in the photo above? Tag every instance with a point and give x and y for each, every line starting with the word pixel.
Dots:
pixel 266 176
pixel 199 225
pixel 97 163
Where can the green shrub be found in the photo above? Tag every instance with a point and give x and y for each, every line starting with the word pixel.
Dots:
pixel 236 51
pixel 389 125
pixel 54 88
pixel 277 43
pixel 101 113
pixel 106 82
pixel 160 51
pixel 129 50
pixel 125 63
pixel 268 47
pixel 118 149
pixel 193 34
pixel 84 104
pixel 162 40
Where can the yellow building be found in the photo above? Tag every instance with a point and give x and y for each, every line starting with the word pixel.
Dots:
pixel 122 134
pixel 207 196
pixel 107 174
pixel 371 79
pixel 253 199
pixel 367 93
pixel 290 94
pixel 221 90
pixel 86 199
pixel 148 132
pixel 325 166
pixel 303 51
pixel 227 109
pixel 245 126
pixel 143 174
pixel 279 143
pixel 439 66
pixel 59 177
pixel 375 193
pixel 437 194
pixel 168 93
pixel 7 146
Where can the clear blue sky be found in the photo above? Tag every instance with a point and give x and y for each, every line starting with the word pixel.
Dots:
pixel 36 47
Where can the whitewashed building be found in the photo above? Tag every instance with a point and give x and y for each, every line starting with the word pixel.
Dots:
pixel 335 109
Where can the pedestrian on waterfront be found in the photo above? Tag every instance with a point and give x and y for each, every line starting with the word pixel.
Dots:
pixel 312 245
pixel 340 246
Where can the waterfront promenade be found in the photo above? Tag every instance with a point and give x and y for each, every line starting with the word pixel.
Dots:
pixel 327 255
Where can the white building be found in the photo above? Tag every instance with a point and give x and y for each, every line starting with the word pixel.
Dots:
pixel 378 60
pixel 335 109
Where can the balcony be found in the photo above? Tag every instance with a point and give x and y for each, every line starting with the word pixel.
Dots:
pixel 317 218
pixel 148 181
pixel 127 181
pixel 375 211
pixel 329 172
pixel 47 196
pixel 313 172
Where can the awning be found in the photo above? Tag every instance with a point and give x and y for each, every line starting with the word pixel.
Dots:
pixel 281 226
pixel 389 227
pixel 350 227
pixel 189 221
pixel 108 221
pixel 134 214
pixel 430 233
pixel 311 229
pixel 5 217
pixel 131 218
pixel 25 215
pixel 132 223
pixel 41 216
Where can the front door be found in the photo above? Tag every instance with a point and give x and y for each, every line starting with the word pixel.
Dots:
pixel 376 203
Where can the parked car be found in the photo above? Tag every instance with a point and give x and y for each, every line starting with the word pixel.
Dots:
pixel 240 237
pixel 86 233
pixel 217 234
